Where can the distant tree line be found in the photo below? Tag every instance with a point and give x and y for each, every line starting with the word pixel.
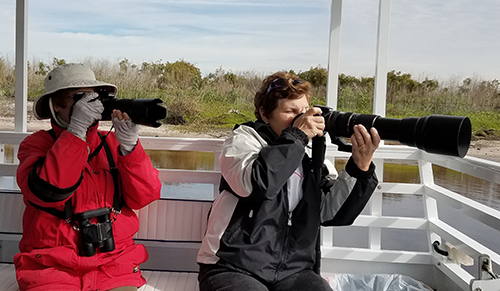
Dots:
pixel 223 98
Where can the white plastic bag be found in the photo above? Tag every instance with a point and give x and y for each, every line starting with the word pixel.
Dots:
pixel 377 282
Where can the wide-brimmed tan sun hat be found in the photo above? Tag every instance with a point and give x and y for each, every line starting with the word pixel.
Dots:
pixel 64 77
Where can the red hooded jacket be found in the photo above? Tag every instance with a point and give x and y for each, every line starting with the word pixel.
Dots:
pixel 50 257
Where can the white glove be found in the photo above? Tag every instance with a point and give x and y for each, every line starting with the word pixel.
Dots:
pixel 85 112
pixel 126 133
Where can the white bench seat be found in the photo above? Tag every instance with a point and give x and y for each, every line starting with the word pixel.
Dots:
pixel 170 281
pixel 8 280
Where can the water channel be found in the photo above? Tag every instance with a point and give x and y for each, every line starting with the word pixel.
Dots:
pixel 474 188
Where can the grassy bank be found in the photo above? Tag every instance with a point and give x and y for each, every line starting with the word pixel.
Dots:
pixel 222 98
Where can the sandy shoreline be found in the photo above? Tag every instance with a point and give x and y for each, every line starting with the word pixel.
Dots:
pixel 33 125
pixel 482 148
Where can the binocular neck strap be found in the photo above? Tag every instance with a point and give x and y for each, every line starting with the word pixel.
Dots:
pixel 67 214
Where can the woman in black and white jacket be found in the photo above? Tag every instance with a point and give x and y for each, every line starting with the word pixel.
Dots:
pixel 263 227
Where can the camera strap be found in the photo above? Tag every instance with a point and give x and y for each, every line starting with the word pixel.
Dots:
pixel 318 159
pixel 67 214
pixel 117 202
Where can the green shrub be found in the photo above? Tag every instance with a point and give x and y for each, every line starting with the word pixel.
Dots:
pixel 224 98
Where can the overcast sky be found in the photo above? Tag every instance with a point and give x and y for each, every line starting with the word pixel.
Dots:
pixel 440 39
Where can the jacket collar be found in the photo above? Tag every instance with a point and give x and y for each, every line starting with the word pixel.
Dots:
pixel 263 129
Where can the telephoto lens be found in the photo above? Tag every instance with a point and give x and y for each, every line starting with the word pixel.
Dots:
pixel 437 134
pixel 141 111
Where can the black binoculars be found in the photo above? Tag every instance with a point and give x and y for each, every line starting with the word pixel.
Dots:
pixel 438 134
pixel 96 235
pixel 141 111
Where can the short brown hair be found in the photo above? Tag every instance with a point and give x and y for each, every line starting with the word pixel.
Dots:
pixel 268 99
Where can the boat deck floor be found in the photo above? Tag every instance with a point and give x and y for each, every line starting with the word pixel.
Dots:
pixel 156 280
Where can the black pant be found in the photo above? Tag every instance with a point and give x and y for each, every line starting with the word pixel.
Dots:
pixel 217 278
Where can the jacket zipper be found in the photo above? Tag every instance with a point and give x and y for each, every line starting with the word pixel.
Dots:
pixel 104 196
pixel 285 246
pixel 94 176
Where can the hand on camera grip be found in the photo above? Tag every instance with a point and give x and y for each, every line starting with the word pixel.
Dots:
pixel 126 131
pixel 311 122
pixel 85 112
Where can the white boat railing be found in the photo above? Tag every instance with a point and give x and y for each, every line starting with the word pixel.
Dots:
pixel 433 198
pixel 427 266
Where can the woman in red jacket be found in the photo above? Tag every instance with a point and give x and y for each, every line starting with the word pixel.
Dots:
pixel 80 186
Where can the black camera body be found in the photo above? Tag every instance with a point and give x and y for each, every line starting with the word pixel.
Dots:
pixel 141 111
pixel 96 235
pixel 438 134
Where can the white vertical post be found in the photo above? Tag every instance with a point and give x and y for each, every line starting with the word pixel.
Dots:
pixel 2 153
pixel 427 178
pixel 379 99
pixel 430 204
pixel 334 54
pixel 217 154
pixel 379 102
pixel 21 95
pixel 375 206
pixel 15 161
pixel 326 236
pixel 2 160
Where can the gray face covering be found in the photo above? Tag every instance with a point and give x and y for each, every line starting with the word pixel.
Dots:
pixel 58 120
